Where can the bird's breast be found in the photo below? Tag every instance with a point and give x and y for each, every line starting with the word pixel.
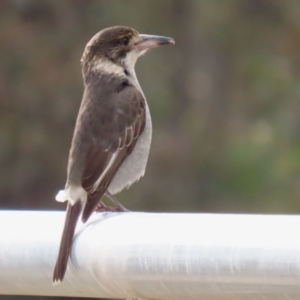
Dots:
pixel 134 165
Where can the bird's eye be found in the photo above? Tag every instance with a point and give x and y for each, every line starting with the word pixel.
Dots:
pixel 124 41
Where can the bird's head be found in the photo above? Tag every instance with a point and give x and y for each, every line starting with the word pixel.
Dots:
pixel 119 46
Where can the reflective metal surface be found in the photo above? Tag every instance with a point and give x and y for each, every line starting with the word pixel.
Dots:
pixel 154 256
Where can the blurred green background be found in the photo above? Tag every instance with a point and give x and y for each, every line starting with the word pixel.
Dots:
pixel 224 101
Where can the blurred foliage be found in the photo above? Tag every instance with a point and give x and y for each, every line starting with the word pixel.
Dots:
pixel 224 101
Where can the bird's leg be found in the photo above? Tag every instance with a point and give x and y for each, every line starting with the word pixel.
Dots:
pixel 104 208
pixel 114 200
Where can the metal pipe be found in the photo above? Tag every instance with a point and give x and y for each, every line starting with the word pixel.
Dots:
pixel 154 256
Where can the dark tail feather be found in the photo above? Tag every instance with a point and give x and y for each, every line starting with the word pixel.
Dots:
pixel 92 202
pixel 72 216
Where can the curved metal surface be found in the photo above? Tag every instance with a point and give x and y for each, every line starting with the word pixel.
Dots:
pixel 154 256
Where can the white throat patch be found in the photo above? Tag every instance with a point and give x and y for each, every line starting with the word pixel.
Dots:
pixel 131 58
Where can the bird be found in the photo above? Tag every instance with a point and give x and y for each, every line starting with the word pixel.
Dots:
pixel 113 130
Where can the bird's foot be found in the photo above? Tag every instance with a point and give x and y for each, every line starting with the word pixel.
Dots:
pixel 104 208
pixel 118 206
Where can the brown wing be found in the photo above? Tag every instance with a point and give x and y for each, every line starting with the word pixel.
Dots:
pixel 122 128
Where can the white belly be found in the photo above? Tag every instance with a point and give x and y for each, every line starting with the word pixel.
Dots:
pixel 134 165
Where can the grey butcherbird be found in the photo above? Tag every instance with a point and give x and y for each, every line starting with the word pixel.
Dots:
pixel 113 130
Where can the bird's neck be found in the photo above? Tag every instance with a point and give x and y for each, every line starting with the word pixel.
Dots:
pixel 106 66
pixel 125 70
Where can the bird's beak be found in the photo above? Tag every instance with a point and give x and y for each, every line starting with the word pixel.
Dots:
pixel 146 42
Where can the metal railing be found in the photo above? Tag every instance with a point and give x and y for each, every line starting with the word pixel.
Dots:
pixel 154 256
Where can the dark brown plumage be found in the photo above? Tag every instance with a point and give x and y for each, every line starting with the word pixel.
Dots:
pixel 119 122
pixel 113 124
